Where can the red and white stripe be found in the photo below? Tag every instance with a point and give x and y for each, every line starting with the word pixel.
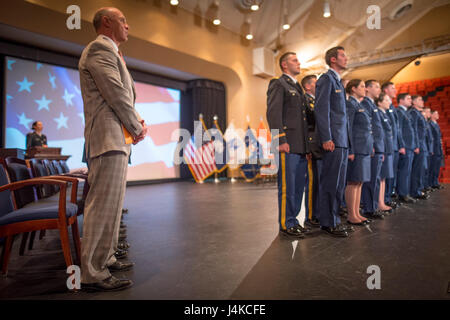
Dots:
pixel 200 161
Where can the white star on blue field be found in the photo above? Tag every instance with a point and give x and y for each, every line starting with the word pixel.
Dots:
pixel 52 79
pixel 38 66
pixel 61 121
pixel 43 103
pixel 68 97
pixel 23 120
pixel 8 97
pixel 10 63
pixel 25 85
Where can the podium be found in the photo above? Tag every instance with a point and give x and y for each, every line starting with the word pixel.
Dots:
pixel 45 153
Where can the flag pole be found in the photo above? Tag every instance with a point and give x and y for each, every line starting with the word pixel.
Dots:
pixel 200 117
pixel 216 174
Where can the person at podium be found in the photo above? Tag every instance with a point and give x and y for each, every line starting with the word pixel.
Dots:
pixel 36 138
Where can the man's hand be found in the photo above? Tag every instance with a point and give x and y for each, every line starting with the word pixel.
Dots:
pixel 402 151
pixel 142 135
pixel 416 150
pixel 284 147
pixel 328 146
pixel 382 158
pixel 351 157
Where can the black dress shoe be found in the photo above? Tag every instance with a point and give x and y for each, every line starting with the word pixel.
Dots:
pixel 110 284
pixel 123 245
pixel 386 212
pixel 374 215
pixel 304 230
pixel 313 223
pixel 335 232
pixel 120 266
pixel 293 231
pixel 121 254
pixel 356 224
pixel 124 210
pixel 407 199
pixel 366 222
pixel 422 197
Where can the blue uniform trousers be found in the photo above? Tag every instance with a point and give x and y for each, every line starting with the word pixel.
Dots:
pixel 292 174
pixel 426 177
pixel 391 184
pixel 312 191
pixel 404 173
pixel 371 189
pixel 435 167
pixel 332 186
pixel 417 173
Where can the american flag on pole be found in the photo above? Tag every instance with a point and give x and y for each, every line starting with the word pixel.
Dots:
pixel 201 160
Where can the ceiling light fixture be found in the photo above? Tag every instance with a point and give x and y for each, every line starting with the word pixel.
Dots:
pixel 174 2
pixel 326 9
pixel 254 7
pixel 247 29
pixel 286 25
pixel 216 19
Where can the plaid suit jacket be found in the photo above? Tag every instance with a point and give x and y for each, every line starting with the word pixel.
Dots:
pixel 108 97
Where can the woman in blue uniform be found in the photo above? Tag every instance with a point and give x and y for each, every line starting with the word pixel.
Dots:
pixel 360 133
pixel 383 103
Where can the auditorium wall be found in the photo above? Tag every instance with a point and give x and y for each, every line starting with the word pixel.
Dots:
pixel 160 35
pixel 431 67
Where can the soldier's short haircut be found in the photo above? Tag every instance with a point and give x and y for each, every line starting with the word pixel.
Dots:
pixel 402 96
pixel 307 80
pixel 370 82
pixel 415 97
pixel 386 84
pixel 332 53
pixel 284 57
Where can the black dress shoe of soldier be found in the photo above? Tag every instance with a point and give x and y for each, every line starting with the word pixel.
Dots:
pixel 407 199
pixel 293 232
pixel 120 266
pixel 121 254
pixel 374 215
pixel 335 232
pixel 313 223
pixel 123 245
pixel 110 284
pixel 422 197
pixel 304 230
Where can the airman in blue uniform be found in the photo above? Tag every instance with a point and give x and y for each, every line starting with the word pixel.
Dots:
pixel 419 164
pixel 332 128
pixel 371 189
pixel 407 147
pixel 437 157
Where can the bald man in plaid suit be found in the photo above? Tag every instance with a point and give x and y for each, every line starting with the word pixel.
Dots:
pixel 108 96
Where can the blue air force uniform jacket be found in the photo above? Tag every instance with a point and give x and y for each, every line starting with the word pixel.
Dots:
pixel 419 125
pixel 407 136
pixel 392 116
pixel 377 128
pixel 388 132
pixel 330 104
pixel 286 112
pixel 360 128
pixel 437 142
pixel 429 138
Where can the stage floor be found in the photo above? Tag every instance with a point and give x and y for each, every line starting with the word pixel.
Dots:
pixel 220 241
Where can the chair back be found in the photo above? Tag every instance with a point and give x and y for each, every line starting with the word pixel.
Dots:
pixel 39 170
pixel 58 166
pixel 6 205
pixel 52 170
pixel 18 171
pixel 64 166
